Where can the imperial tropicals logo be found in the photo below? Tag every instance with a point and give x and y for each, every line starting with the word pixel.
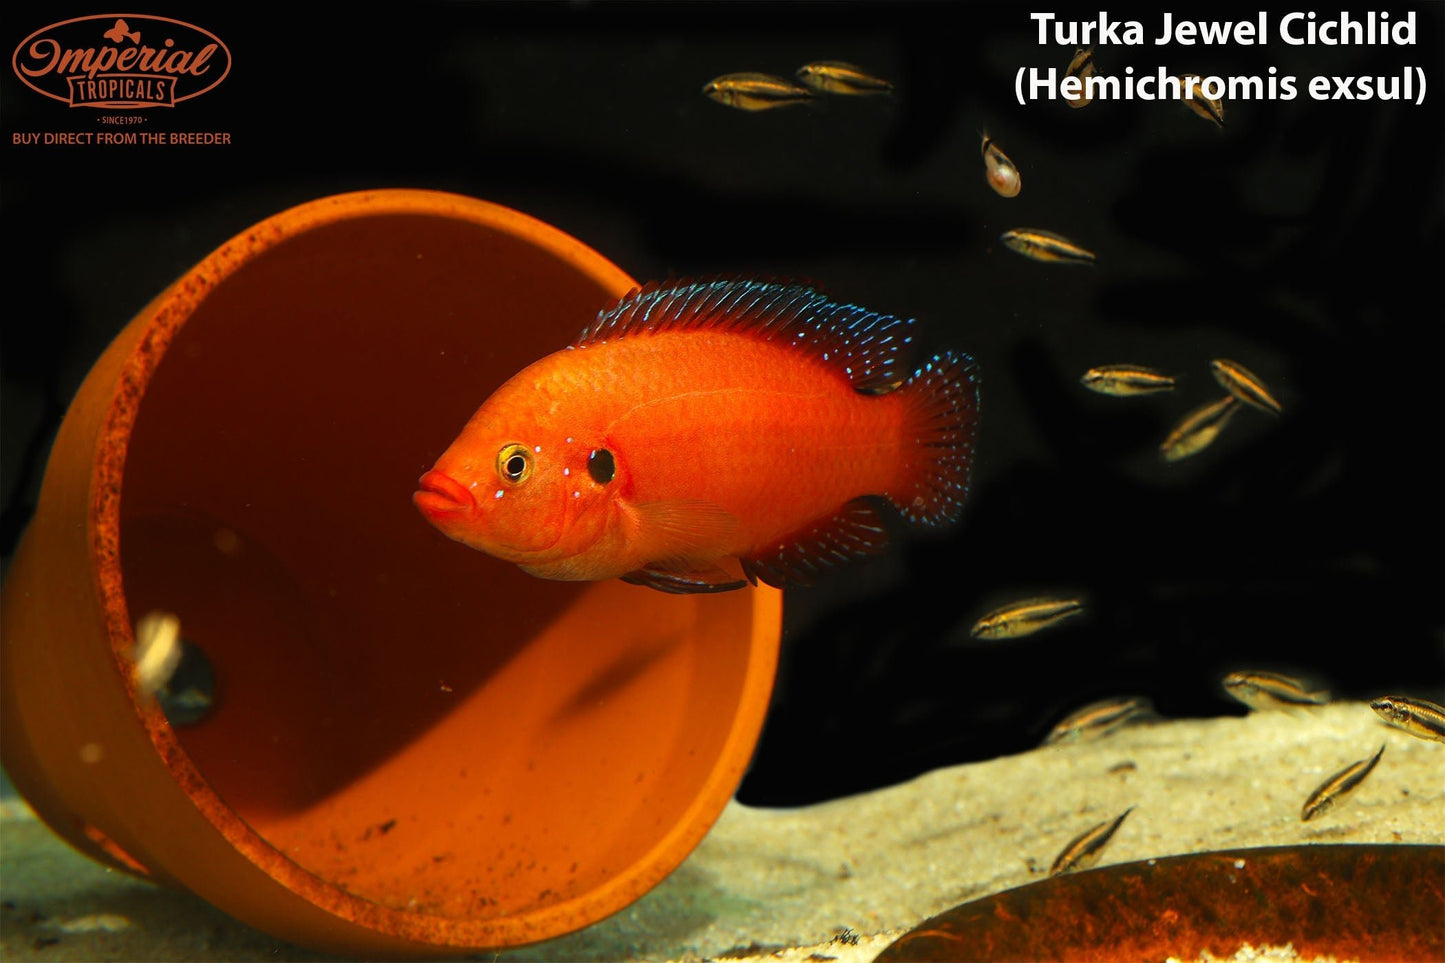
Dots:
pixel 121 61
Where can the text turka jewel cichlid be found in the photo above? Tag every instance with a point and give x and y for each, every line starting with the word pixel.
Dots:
pixel 700 435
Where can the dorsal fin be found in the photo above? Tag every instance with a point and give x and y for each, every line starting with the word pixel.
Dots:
pixel 863 345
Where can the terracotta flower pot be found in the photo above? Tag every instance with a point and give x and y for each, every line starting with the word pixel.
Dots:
pixel 412 748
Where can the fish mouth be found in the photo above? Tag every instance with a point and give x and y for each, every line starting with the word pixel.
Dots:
pixel 440 496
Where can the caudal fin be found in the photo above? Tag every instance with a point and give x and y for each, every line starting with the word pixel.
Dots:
pixel 940 425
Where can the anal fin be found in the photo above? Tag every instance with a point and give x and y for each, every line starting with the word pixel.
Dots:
pixel 800 557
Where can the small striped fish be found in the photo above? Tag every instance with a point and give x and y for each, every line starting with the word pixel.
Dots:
pixel 1335 788
pixel 1084 849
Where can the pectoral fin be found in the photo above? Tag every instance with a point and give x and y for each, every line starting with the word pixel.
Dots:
pixel 683 541
pixel 682 529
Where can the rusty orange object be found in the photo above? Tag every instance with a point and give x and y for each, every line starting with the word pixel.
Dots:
pixel 413 749
pixel 1357 902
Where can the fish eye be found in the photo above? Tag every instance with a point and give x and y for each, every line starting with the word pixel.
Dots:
pixel 514 463
pixel 601 465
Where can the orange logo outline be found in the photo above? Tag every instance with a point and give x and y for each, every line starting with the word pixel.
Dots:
pixel 127 68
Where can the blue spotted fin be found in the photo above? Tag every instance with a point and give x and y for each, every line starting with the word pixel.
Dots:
pixel 865 345
pixel 802 556
pixel 942 399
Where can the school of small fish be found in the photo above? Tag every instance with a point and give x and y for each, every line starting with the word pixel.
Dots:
pixel 753 91
pixel 1194 432
pixel 1260 691
pixel 1265 691
pixel 1199 428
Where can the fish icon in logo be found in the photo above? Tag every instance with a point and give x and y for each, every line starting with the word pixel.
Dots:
pixel 121 29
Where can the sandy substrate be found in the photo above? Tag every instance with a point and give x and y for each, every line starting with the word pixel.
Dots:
pixel 842 879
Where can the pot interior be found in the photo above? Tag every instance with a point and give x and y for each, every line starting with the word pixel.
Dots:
pixel 422 725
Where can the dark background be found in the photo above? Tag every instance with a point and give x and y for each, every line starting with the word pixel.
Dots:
pixel 1303 240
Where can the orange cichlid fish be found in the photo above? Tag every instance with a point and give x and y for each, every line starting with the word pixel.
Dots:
pixel 702 435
